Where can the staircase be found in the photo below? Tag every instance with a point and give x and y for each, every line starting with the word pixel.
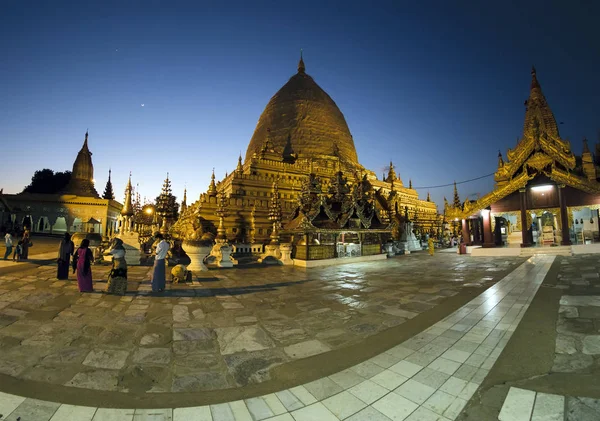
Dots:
pixel 552 251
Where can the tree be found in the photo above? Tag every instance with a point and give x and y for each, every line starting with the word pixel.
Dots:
pixel 48 182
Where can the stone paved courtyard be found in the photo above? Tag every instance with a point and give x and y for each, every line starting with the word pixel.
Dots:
pixel 227 331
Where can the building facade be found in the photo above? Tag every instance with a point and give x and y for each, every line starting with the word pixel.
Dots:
pixel 544 194
pixel 78 208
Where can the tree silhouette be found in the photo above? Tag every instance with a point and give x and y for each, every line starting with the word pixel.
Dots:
pixel 47 181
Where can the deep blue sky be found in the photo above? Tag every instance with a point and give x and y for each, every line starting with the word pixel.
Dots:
pixel 437 88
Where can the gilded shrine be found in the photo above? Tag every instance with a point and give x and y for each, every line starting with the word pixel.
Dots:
pixel 78 208
pixel 544 195
pixel 302 147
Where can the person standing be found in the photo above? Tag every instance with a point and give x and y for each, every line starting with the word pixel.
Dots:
pixel 26 244
pixel 82 263
pixel 65 252
pixel 117 277
pixel 158 275
pixel 9 245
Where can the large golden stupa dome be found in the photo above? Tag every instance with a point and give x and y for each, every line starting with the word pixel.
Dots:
pixel 302 116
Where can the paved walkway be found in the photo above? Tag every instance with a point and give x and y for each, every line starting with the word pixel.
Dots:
pixel 527 405
pixel 428 377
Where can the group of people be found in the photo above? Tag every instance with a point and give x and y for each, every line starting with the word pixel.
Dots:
pixel 18 247
pixel 82 260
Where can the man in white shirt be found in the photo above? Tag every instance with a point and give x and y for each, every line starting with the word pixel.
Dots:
pixel 9 245
pixel 158 275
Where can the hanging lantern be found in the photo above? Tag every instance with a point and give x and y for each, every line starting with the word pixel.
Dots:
pixel 581 221
pixel 576 221
pixel 591 220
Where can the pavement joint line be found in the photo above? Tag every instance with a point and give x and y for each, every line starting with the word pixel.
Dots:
pixel 516 290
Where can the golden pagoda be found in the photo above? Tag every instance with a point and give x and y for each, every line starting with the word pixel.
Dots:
pixel 543 190
pixel 300 134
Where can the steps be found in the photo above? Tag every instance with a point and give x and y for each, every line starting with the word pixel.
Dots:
pixel 550 251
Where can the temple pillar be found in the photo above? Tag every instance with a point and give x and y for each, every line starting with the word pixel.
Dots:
pixel 466 233
pixel 564 217
pixel 476 231
pixel 524 226
pixel 488 238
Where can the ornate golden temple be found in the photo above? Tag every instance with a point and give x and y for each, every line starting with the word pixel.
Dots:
pixel 78 208
pixel 301 135
pixel 542 183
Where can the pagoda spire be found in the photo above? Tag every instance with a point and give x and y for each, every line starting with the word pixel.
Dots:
pixel 239 169
pixel 127 209
pixel 184 201
pixel 410 183
pixel 82 176
pixel 108 190
pixel 301 67
pixel 391 174
pixel 212 187
pixel 456 202
pixel 539 119
pixel 428 197
pixel 500 160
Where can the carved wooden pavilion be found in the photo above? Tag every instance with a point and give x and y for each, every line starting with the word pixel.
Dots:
pixel 542 188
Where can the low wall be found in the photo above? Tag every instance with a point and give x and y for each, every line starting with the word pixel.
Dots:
pixel 496 251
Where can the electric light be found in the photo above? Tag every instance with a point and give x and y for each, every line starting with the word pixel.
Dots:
pixel 543 188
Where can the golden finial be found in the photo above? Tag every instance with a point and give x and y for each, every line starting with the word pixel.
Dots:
pixel 301 67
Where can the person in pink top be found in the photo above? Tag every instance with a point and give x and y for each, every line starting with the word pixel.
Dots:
pixel 82 263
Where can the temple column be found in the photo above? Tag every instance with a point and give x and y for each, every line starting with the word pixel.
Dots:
pixel 476 231
pixel 488 238
pixel 466 233
pixel 564 217
pixel 524 228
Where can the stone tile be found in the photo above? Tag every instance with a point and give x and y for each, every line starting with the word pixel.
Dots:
pixel 289 400
pixel 518 405
pixel 406 368
pixel 368 391
pixel 444 365
pixel 591 345
pixel 8 403
pixel 415 391
pixel 395 406
pixel 106 358
pixel 304 395
pixel 34 409
pixel 431 378
pixel 347 378
pixel 159 414
pixel 453 386
pixel 196 413
pixel 439 402
pixel 577 300
pixel 423 414
pixel 316 411
pixel 306 349
pixel 111 414
pixel 97 379
pixel 456 355
pixel 152 356
pixel 74 413
pixel 582 409
pixel 323 388
pixel 368 414
pixel 455 408
pixel 259 408
pixel 571 363
pixel 344 404
pixel 222 412
pixel 274 403
pixel 239 339
pixel 389 379
pixel 367 369
pixel 548 407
